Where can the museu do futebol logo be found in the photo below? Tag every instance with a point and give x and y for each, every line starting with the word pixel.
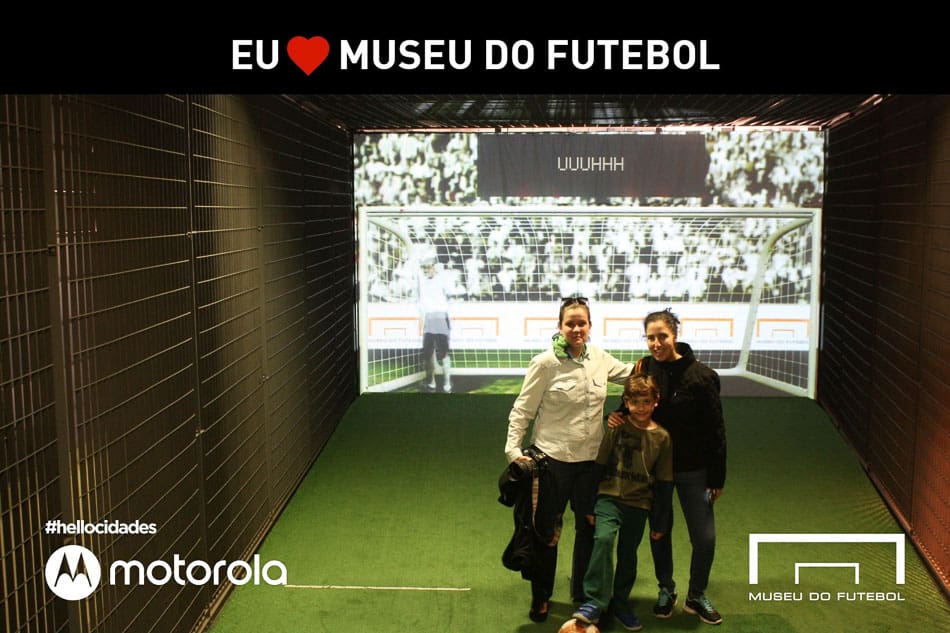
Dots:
pixel 896 541
pixel 73 572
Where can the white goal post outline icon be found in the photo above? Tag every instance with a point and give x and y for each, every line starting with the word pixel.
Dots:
pixel 755 539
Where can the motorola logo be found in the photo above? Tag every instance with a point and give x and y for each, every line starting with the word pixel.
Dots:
pixel 73 572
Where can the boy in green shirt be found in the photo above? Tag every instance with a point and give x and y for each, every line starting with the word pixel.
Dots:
pixel 637 458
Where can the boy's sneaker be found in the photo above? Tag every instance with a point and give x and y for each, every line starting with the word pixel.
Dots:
pixel 665 602
pixel 702 607
pixel 629 621
pixel 588 613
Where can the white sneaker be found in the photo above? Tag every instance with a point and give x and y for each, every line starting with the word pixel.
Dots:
pixel 447 388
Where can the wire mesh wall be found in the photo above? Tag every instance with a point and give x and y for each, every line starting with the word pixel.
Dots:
pixel 228 334
pixel 29 469
pixel 308 243
pixel 885 296
pixel 183 384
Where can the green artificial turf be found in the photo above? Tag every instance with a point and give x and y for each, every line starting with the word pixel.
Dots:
pixel 405 496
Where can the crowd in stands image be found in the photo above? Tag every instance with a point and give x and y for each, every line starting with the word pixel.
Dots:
pixel 747 169
pixel 610 249
pixel 617 259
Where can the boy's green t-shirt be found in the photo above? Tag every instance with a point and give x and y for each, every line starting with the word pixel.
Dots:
pixel 634 459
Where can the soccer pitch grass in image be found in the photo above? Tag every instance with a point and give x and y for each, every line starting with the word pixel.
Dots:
pixel 407 363
pixel 397 527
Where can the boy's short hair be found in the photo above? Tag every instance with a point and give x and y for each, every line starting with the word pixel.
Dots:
pixel 641 384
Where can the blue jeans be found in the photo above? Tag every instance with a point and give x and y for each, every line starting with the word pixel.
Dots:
pixel 701 524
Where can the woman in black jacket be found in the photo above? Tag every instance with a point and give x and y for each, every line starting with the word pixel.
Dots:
pixel 691 411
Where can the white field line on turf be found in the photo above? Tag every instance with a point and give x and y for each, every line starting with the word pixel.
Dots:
pixel 372 588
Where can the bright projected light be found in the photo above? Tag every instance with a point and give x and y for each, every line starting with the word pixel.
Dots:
pixel 722 226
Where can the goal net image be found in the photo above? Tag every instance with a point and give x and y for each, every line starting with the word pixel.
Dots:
pixel 721 226
pixel 741 281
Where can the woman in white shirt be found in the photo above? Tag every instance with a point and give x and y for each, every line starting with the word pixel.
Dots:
pixel 563 395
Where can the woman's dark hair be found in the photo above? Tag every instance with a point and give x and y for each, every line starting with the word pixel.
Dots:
pixel 667 317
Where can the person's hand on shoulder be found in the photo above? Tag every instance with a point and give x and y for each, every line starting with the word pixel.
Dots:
pixel 615 419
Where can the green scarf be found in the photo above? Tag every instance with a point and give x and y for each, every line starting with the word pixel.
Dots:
pixel 560 347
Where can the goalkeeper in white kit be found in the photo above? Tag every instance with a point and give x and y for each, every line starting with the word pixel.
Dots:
pixel 433 293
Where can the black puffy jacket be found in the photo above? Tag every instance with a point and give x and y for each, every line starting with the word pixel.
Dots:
pixel 515 485
pixel 691 410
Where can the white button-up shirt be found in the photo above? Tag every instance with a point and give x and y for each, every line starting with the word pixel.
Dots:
pixel 565 400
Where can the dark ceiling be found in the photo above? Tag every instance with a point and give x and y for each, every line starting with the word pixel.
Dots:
pixel 440 111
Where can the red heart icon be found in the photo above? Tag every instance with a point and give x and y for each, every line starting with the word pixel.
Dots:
pixel 308 54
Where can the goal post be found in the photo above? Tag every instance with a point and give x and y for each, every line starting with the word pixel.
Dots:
pixel 742 280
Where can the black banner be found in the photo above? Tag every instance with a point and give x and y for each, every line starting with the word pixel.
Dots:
pixel 592 165
pixel 266 51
